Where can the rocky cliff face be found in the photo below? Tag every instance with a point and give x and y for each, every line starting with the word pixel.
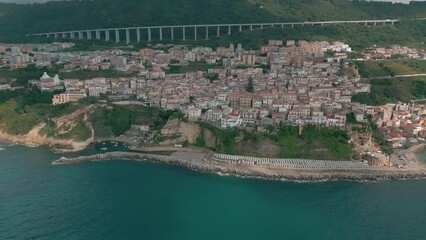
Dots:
pixel 177 131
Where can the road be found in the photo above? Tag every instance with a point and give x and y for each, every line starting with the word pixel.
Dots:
pixel 398 76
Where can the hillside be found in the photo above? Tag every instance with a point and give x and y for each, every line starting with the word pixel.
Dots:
pixel 392 90
pixel 17 20
pixel 282 142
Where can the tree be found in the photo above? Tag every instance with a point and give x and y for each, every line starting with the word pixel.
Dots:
pixel 250 86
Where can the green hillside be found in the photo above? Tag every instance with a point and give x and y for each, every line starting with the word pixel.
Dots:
pixel 393 90
pixel 17 20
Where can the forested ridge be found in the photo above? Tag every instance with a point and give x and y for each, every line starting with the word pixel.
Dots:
pixel 17 20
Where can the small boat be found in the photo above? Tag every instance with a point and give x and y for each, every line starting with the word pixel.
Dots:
pixel 104 149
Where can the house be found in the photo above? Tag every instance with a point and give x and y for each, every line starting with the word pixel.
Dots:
pixel 194 114
pixel 231 120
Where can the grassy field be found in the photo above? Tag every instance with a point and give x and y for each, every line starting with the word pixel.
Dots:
pixel 17 123
pixel 380 68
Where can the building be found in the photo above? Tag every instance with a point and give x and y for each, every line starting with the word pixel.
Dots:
pixel 249 58
pixel 231 120
pixel 67 97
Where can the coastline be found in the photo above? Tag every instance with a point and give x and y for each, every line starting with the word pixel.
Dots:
pixel 203 163
pixel 34 139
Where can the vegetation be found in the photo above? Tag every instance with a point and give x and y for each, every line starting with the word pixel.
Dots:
pixel 250 85
pixel 314 142
pixel 18 20
pixel 79 133
pixel 379 137
pixel 350 118
pixel 114 120
pixel 17 123
pixel 21 76
pixel 54 16
pixel 88 74
pixel 392 90
pixel 391 67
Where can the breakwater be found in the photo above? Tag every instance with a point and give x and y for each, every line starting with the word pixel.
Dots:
pixel 294 163
pixel 203 163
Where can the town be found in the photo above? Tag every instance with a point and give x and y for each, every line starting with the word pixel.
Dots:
pixel 295 83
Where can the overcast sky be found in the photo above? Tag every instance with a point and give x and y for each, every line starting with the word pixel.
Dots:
pixel 40 1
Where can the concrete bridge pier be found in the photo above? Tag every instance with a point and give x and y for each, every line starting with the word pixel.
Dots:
pixel 138 35
pixel 117 35
pixel 64 35
pixel 56 35
pixel 127 36
pixel 240 28
pixel 218 31
pixel 71 35
pixel 172 33
pixel 183 34
pixel 89 35
pixel 375 23
pixel 207 32
pixel 98 34
pixel 292 25
pixel 107 35
pixel 80 35
pixel 261 26
pixel 195 33
pixel 161 33
pixel 251 27
pixel 149 35
pixel 229 30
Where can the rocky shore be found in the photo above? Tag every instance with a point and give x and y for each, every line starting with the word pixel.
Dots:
pixel 202 163
pixel 33 138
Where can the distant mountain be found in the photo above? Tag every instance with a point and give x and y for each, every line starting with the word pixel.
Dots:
pixel 17 20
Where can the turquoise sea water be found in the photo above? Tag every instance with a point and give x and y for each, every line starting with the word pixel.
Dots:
pixel 143 200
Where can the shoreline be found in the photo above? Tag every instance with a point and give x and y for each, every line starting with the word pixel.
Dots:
pixel 34 139
pixel 202 163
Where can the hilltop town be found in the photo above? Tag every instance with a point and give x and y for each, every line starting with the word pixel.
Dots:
pixel 283 83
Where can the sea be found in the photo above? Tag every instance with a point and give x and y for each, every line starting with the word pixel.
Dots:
pixel 145 200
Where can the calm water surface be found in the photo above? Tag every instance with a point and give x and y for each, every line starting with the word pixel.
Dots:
pixel 143 200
